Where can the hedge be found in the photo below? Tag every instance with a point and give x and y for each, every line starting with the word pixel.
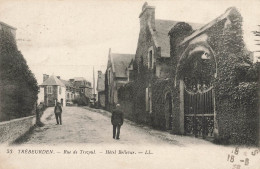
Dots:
pixel 18 86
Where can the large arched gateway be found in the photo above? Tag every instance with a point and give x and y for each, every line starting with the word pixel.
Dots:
pixel 196 72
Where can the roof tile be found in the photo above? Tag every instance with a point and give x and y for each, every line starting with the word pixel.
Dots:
pixel 120 63
pixel 162 29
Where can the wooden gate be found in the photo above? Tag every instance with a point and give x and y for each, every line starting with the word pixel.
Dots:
pixel 199 113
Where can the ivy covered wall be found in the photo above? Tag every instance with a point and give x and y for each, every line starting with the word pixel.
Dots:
pixel 235 84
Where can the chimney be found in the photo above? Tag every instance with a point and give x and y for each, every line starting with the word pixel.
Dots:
pixel 99 74
pixel 45 77
pixel 58 77
pixel 147 16
pixel 71 80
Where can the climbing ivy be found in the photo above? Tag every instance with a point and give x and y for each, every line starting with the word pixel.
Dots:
pixel 18 86
pixel 235 85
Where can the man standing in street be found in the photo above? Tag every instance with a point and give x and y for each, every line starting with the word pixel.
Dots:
pixel 58 111
pixel 117 119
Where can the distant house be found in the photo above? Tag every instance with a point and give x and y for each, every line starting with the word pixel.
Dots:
pixel 82 86
pixel 70 90
pixel 54 90
pixel 116 76
pixel 101 89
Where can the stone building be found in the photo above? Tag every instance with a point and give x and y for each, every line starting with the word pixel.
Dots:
pixel 70 90
pixel 150 72
pixel 116 76
pixel 207 85
pixel 82 86
pixel 54 90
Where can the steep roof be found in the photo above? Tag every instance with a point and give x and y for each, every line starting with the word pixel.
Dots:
pixel 101 83
pixel 52 81
pixel 161 34
pixel 66 83
pixel 229 11
pixel 79 79
pixel 2 23
pixel 120 62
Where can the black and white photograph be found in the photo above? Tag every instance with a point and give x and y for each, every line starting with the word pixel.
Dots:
pixel 115 84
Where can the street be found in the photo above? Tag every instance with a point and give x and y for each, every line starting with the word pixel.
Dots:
pixel 89 133
pixel 81 125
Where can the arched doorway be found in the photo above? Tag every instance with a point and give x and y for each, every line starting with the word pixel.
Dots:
pixel 196 71
pixel 168 111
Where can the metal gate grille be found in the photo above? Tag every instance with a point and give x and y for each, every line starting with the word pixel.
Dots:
pixel 199 113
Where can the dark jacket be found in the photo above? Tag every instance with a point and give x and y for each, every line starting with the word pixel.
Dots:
pixel 58 109
pixel 117 117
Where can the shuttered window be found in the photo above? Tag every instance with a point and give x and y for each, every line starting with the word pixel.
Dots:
pixel 49 89
pixel 147 99
pixel 150 58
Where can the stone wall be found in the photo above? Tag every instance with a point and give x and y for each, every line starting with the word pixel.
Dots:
pixel 13 129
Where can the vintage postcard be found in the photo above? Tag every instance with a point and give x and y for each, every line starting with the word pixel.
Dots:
pixel 129 84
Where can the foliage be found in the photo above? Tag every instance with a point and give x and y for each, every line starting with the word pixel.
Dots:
pixel 160 88
pixel 82 100
pixel 18 86
pixel 177 34
pixel 235 85
pixel 180 31
pixel 196 72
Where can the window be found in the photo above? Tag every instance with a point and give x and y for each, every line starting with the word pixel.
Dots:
pixel 60 89
pixel 68 95
pixel 49 89
pixel 82 90
pixel 108 77
pixel 148 99
pixel 150 58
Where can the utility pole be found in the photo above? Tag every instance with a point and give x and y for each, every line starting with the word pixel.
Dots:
pixel 94 93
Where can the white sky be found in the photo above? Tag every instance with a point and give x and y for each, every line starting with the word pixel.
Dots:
pixel 67 38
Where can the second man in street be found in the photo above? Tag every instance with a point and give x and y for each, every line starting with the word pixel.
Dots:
pixel 58 111
pixel 117 119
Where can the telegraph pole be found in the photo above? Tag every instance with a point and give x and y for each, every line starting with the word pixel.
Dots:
pixel 94 93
